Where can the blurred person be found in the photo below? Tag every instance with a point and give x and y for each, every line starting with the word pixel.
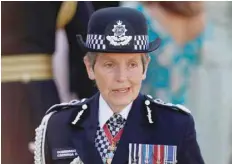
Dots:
pixel 118 124
pixel 210 95
pixel 180 25
pixel 103 4
pixel 28 89
pixel 61 74
pixel 71 78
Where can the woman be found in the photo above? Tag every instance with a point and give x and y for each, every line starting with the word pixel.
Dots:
pixel 117 125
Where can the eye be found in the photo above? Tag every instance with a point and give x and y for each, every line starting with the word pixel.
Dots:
pixel 133 65
pixel 108 65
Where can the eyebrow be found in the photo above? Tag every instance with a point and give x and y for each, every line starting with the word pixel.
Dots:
pixel 113 59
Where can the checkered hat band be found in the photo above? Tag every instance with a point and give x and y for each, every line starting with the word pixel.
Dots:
pixel 141 42
pixel 97 42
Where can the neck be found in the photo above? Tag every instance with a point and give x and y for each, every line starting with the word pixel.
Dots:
pixel 114 108
pixel 117 109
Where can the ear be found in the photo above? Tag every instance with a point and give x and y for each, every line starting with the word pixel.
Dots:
pixel 89 68
pixel 147 63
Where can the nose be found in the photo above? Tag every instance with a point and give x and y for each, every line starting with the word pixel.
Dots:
pixel 121 74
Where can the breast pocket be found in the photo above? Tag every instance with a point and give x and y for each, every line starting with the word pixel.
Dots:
pixel 152 154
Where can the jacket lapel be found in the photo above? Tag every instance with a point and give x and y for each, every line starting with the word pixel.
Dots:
pixel 83 134
pixel 136 130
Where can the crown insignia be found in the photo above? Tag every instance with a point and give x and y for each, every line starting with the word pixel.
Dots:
pixel 119 29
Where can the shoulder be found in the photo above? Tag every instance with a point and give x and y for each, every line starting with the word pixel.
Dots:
pixel 65 106
pixel 172 117
pixel 167 112
pixel 58 117
pixel 75 111
pixel 158 103
pixel 54 125
pixel 61 113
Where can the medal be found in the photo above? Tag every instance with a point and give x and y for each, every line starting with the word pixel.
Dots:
pixel 108 160
pixel 147 155
pixel 113 141
pixel 110 157
pixel 112 146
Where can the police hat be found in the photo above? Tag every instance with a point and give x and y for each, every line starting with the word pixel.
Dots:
pixel 118 30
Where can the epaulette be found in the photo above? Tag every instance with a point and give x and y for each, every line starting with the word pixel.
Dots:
pixel 40 132
pixel 61 106
pixel 176 107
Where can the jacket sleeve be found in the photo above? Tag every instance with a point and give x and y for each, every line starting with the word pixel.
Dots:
pixel 190 152
pixel 48 156
pixel 41 152
pixel 49 145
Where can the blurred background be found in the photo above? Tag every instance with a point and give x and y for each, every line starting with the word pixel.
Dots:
pixel 42 65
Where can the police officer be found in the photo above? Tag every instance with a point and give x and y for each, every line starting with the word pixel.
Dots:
pixel 117 125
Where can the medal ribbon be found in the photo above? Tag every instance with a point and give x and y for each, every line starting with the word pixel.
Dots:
pixel 111 139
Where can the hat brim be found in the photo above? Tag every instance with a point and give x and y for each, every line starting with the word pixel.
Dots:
pixel 152 47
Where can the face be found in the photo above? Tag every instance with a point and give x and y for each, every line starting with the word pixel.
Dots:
pixel 118 77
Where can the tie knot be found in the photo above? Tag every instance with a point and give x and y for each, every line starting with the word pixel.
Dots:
pixel 116 120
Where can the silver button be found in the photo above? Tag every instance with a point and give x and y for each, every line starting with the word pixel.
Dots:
pixel 147 102
pixel 84 106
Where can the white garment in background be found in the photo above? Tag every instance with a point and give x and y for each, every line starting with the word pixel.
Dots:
pixel 60 66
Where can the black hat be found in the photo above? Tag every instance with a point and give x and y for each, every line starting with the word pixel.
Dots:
pixel 118 30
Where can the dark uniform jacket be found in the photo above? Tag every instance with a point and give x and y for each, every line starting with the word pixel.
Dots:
pixel 167 128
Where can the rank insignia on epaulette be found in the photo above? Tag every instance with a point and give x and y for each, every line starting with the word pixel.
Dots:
pixel 79 114
pixel 149 115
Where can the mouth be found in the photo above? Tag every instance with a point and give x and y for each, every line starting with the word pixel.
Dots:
pixel 121 90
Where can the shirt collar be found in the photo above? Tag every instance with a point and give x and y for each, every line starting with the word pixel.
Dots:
pixel 105 111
